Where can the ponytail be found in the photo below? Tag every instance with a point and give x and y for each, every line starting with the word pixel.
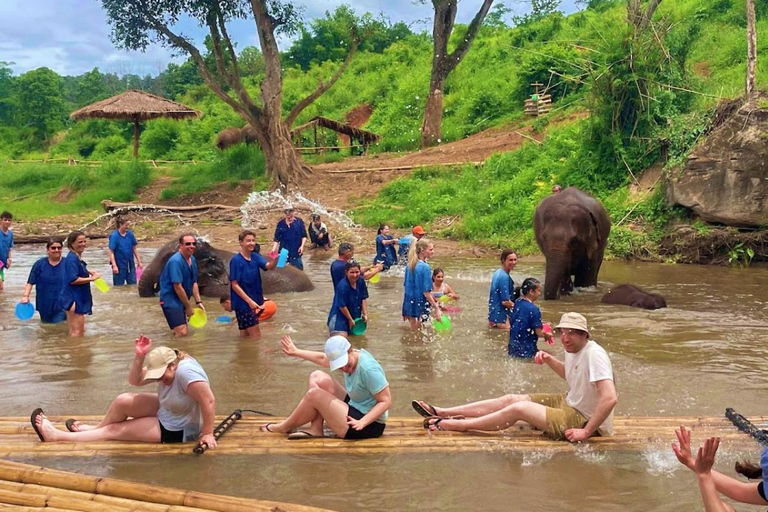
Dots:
pixel 416 249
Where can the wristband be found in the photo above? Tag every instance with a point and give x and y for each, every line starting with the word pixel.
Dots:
pixel 199 302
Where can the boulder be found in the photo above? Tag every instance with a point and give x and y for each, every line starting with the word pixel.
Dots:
pixel 725 179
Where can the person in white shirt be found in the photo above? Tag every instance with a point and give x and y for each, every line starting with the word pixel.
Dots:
pixel 585 410
pixel 318 233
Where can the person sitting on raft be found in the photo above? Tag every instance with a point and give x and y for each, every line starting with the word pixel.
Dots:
pixel 358 410
pixel 418 301
pixel 440 288
pixel 385 247
pixel 585 410
pixel 712 482
pixel 525 324
pixel 350 302
pixel 47 276
pixel 182 410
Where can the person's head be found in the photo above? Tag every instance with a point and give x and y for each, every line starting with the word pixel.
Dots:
pixel 508 260
pixel 337 349
pixel 315 218
pixel 76 241
pixel 226 303
pixel 352 271
pixel 6 219
pixel 161 363
pixel 383 229
pixel 346 251
pixel 418 232
pixel 247 239
pixel 289 211
pixel 557 189
pixel 122 224
pixel 574 332
pixel 187 243
pixel 421 250
pixel 531 289
pixel 54 249
pixel 437 277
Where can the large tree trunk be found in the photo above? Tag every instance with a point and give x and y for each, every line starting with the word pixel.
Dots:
pixel 284 166
pixel 431 126
pixel 751 50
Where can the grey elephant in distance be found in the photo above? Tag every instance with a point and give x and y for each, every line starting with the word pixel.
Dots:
pixel 232 136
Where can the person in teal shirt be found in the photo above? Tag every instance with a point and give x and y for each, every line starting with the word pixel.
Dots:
pixel 357 410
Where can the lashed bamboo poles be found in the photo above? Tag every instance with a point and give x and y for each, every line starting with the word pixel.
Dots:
pixel 402 435
pixel 24 485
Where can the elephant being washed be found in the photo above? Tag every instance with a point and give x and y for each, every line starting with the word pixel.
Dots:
pixel 213 278
pixel 572 231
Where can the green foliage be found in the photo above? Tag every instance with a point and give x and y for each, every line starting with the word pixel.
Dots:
pixel 40 103
pixel 160 137
pixel 740 255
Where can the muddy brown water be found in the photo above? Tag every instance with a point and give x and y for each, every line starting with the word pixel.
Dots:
pixel 704 353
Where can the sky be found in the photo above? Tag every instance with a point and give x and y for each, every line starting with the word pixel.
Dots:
pixel 72 36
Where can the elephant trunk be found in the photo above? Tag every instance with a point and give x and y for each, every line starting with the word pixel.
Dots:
pixel 556 273
pixel 147 283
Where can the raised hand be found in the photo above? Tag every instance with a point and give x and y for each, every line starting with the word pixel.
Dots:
pixel 541 357
pixel 705 459
pixel 287 345
pixel 142 346
pixel 683 451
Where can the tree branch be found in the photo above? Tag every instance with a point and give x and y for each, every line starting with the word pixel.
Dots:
pixel 646 19
pixel 322 87
pixel 474 27
pixel 221 65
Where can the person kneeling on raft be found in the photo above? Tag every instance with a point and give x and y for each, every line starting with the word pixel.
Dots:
pixel 358 410
pixel 182 410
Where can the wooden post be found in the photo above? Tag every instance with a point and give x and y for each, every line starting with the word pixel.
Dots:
pixel 751 88
pixel 135 136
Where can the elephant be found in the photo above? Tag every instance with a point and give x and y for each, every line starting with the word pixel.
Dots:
pixel 631 295
pixel 571 229
pixel 232 136
pixel 213 278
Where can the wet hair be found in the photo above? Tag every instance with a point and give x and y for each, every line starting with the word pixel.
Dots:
pixel 419 247
pixel 749 469
pixel 381 228
pixel 530 284
pixel 435 272
pixel 244 234
pixel 51 241
pixel 351 264
pixel 6 215
pixel 119 221
pixel 224 298
pixel 72 237
pixel 344 247
pixel 185 235
pixel 505 254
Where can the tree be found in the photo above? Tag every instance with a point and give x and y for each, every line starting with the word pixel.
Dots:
pixel 751 51
pixel 41 105
pixel 137 22
pixel 7 100
pixel 443 62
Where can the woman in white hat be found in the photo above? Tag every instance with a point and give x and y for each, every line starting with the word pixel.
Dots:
pixel 357 410
pixel 182 410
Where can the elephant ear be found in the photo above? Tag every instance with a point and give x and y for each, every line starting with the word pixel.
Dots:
pixel 596 224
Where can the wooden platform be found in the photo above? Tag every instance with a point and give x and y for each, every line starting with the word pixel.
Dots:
pixel 17 438
pixel 25 487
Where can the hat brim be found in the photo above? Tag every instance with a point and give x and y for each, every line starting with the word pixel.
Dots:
pixel 571 325
pixel 156 373
pixel 339 362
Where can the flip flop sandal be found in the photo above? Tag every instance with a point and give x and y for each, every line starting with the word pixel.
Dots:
pixel 37 412
pixel 70 424
pixel 300 434
pixel 265 428
pixel 424 411
pixel 435 423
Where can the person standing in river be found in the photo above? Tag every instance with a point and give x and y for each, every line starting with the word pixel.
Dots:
pixel 418 301
pixel 178 283
pixel 247 296
pixel 500 302
pixel 6 245
pixel 525 324
pixel 385 247
pixel 346 255
pixel 47 276
pixel 291 234
pixel 76 299
pixel 123 250
pixel 350 301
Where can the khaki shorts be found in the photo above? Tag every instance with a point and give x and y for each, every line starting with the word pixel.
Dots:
pixel 560 415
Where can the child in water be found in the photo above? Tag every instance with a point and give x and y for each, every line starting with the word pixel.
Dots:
pixel 525 324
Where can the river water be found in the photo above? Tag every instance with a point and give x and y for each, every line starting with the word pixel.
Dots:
pixel 704 353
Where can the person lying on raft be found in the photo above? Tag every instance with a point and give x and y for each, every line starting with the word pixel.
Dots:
pixel 586 410
pixel 356 411
pixel 712 482
pixel 182 410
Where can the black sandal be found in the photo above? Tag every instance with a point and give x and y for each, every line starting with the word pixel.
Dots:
pixel 265 428
pixel 435 423
pixel 424 411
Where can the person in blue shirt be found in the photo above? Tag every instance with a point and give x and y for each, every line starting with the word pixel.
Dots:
pixel 417 233
pixel 6 245
pixel 350 301
pixel 525 324
pixel 357 410
pixel 385 247
pixel 246 294
pixel 418 300
pixel 178 283
pixel 75 298
pixel 347 254
pixel 122 251
pixel 47 275
pixel 291 234
pixel 500 302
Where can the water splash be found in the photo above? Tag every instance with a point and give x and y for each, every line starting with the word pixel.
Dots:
pixel 660 459
pixel 536 457
pixel 258 203
pixel 587 453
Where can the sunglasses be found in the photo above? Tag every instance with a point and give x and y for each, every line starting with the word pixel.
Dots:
pixel 56 248
pixel 188 244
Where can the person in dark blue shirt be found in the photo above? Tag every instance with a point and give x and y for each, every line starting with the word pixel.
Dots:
pixel 418 301
pixel 525 324
pixel 122 251
pixel 6 245
pixel 500 301
pixel 291 234
pixel 347 254
pixel 47 275
pixel 178 282
pixel 385 247
pixel 246 294
pixel 75 298
pixel 349 301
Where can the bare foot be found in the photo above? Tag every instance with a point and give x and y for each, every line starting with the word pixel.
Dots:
pixel 47 430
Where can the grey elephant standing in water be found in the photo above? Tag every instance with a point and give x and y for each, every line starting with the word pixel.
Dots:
pixel 213 278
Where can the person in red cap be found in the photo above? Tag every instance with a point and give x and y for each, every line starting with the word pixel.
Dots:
pixel 417 233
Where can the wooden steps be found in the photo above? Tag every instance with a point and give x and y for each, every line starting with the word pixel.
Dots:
pixel 26 487
pixel 17 438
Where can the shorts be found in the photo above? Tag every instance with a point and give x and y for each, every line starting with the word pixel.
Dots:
pixel 246 318
pixel 338 325
pixel 170 436
pixel 373 430
pixel 560 415
pixel 126 275
pixel 175 317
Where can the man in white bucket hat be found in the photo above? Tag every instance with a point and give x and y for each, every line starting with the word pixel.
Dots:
pixel 584 411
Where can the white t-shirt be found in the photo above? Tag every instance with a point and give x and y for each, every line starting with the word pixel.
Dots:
pixel 582 372
pixel 178 410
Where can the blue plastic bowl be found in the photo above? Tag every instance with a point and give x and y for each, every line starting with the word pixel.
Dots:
pixel 25 311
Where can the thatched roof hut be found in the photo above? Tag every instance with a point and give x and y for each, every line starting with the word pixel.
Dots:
pixel 363 136
pixel 135 106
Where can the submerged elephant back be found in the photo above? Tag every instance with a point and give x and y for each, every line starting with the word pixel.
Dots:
pixel 150 277
pixel 286 279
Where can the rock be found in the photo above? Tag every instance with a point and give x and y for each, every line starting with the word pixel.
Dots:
pixel 726 177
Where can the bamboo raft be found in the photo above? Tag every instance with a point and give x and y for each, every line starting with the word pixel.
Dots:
pixel 26 487
pixel 17 438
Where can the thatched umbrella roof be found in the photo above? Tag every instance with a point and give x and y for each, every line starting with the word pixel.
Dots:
pixel 135 106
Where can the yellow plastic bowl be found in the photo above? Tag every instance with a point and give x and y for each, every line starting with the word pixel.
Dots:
pixel 198 319
pixel 375 278
pixel 101 285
